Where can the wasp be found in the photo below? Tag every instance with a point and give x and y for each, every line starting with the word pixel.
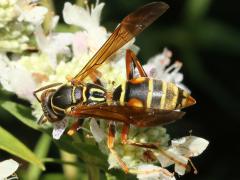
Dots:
pixel 139 101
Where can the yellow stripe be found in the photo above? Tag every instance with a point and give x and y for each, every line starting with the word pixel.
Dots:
pixel 96 99
pixel 150 93
pixel 84 94
pixel 72 94
pixel 122 96
pixel 96 90
pixel 174 101
pixel 171 96
pixel 163 98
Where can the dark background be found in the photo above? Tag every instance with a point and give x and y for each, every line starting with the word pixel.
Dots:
pixel 206 39
pixel 205 36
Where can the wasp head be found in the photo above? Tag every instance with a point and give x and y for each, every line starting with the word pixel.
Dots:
pixel 48 113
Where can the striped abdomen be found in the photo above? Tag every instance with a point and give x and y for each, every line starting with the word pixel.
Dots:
pixel 152 93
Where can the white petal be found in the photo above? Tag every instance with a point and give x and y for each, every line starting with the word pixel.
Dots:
pixel 76 15
pixel 96 13
pixel 164 160
pixel 81 17
pixel 97 132
pixel 112 161
pixel 190 146
pixel 59 128
pixel 154 173
pixel 53 44
pixel 54 22
pixel 34 15
pixel 12 75
pixel 181 168
pixel 8 167
pixel 79 44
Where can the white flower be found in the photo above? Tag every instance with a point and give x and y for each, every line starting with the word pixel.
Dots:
pixel 93 34
pixel 54 43
pixel 84 18
pixel 153 173
pixel 180 151
pixel 30 12
pixel 16 78
pixel 59 128
pixel 158 67
pixel 7 168
pixel 189 146
pixel 96 131
pixel 17 21
pixel 7 12
pixel 24 74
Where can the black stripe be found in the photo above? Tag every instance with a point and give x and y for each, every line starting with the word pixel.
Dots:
pixel 117 93
pixel 157 94
pixel 180 98
pixel 138 91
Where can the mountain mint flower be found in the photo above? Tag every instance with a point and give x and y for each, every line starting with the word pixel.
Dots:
pixel 61 54
pixel 18 19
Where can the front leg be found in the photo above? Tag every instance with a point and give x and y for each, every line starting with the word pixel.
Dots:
pixel 75 126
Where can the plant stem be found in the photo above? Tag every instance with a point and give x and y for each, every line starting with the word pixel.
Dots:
pixel 41 150
pixel 70 171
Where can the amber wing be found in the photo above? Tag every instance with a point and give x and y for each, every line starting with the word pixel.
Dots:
pixel 139 117
pixel 130 27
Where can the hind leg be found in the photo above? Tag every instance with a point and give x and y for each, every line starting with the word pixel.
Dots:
pixel 131 62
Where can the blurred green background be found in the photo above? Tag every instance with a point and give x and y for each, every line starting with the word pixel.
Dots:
pixel 205 36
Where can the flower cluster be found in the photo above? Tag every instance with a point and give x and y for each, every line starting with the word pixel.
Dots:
pixel 18 19
pixel 61 54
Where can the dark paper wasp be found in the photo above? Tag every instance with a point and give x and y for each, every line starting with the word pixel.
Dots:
pixel 139 101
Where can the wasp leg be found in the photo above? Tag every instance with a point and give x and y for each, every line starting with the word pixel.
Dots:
pixel 124 139
pixel 110 144
pixel 131 62
pixel 186 166
pixel 42 120
pixel 75 126
pixel 44 88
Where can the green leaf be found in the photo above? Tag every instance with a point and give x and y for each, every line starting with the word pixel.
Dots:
pixel 217 36
pixel 86 152
pixel 93 172
pixel 51 176
pixel 12 145
pixel 92 155
pixel 196 9
pixel 41 150
pixel 21 112
pixel 115 174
